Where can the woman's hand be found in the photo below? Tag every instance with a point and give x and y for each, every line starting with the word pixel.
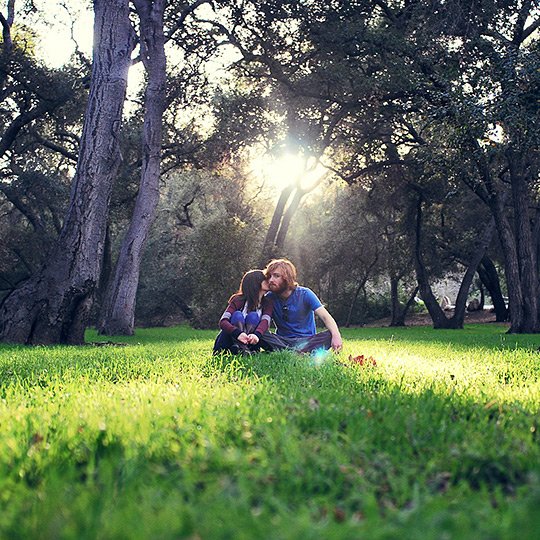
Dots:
pixel 253 339
pixel 244 338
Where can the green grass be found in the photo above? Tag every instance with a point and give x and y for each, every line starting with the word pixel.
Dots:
pixel 157 439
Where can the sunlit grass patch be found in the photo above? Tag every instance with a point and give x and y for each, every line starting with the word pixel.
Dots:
pixel 158 438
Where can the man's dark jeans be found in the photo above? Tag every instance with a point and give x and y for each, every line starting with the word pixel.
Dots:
pixel 305 344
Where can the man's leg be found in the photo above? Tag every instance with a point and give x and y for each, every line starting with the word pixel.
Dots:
pixel 272 342
pixel 322 340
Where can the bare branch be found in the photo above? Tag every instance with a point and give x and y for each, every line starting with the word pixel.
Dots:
pixel 6 34
pixel 85 61
pixel 183 15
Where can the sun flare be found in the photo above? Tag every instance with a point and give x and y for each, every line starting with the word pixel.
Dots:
pixel 287 170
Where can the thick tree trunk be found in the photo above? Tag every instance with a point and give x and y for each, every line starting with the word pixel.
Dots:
pixel 525 248
pixel 53 305
pixel 119 303
pixel 511 268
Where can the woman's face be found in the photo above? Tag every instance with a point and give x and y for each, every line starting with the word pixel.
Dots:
pixel 264 286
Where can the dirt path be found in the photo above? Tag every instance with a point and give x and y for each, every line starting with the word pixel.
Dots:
pixel 423 319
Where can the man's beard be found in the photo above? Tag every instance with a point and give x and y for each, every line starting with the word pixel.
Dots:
pixel 279 290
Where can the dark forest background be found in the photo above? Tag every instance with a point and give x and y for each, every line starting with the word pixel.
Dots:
pixel 413 125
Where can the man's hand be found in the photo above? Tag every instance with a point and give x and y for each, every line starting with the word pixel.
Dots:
pixel 337 343
pixel 330 323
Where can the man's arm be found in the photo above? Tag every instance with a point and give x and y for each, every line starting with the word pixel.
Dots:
pixel 330 323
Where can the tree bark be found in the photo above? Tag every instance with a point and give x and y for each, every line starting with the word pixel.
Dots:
pixel 119 303
pixel 525 249
pixel 53 305
pixel 287 217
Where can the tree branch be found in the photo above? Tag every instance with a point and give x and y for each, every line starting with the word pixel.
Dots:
pixel 55 147
pixel 374 167
pixel 183 15
pixel 6 34
pixel 386 9
pixel 520 23
pixel 531 29
pixel 18 123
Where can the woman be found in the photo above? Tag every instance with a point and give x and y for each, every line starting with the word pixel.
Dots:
pixel 247 316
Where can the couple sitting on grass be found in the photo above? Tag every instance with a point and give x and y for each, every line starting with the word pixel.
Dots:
pixel 274 294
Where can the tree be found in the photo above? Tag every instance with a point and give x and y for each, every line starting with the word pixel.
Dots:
pixel 53 305
pixel 207 233
pixel 119 305
pixel 160 22
pixel 491 86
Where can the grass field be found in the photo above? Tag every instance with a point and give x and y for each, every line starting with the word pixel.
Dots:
pixel 155 438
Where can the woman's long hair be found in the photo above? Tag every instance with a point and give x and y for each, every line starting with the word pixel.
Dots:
pixel 250 287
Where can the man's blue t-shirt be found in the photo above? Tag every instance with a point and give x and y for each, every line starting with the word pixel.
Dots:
pixel 294 317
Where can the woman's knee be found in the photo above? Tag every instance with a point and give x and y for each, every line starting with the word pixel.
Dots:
pixel 252 320
pixel 237 318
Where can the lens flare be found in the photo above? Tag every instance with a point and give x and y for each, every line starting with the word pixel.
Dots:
pixel 319 357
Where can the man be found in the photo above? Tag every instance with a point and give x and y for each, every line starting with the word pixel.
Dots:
pixel 294 313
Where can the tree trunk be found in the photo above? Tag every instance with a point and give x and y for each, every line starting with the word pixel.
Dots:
pixel 511 268
pixel 268 250
pixel 119 303
pixel 525 249
pixel 399 314
pixel 394 301
pixel 436 312
pixel 490 279
pixel 53 305
pixel 353 302
pixel 482 296
pixel 287 217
